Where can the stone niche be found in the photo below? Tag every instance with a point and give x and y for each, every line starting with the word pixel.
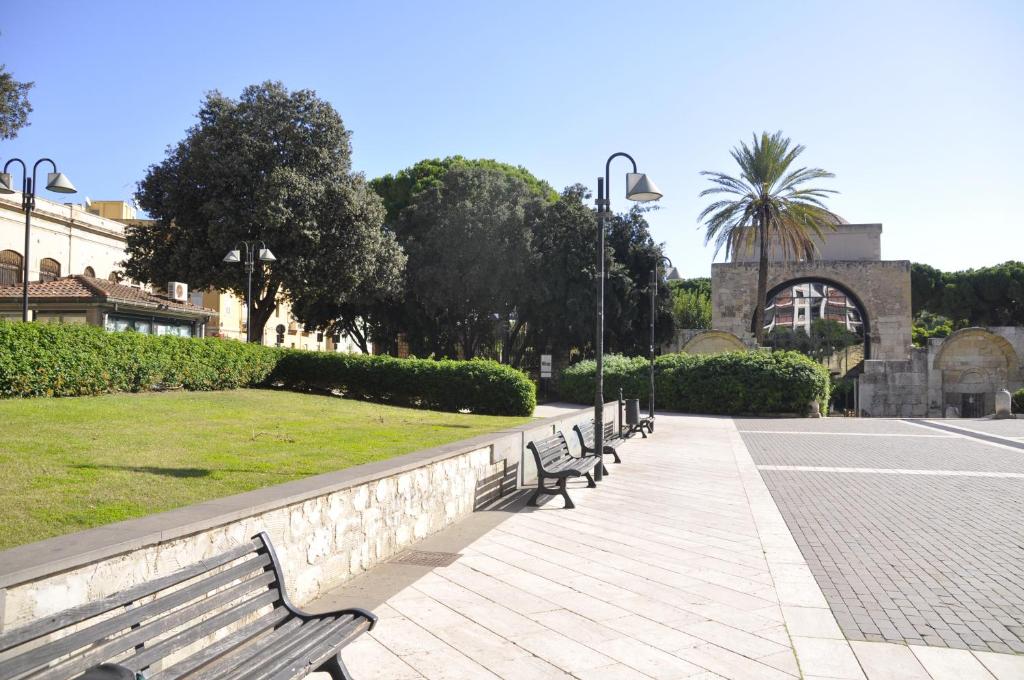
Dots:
pixel 713 342
pixel 880 287
pixel 969 367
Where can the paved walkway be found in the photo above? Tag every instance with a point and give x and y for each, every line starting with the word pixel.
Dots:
pixel 679 565
pixel 914 536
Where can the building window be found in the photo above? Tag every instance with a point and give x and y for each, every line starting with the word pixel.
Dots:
pixel 11 264
pixel 49 270
pixel 114 277
pixel 90 272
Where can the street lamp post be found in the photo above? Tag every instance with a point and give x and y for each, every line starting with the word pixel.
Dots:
pixel 251 254
pixel 55 181
pixel 654 310
pixel 638 188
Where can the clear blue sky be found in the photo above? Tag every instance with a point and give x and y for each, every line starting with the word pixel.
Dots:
pixel 916 106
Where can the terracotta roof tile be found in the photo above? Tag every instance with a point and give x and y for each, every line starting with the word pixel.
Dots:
pixel 100 290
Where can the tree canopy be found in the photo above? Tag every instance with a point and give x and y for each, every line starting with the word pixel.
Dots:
pixel 14 104
pixel 272 166
pixel 988 296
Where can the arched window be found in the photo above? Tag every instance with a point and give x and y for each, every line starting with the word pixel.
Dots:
pixel 90 272
pixel 11 264
pixel 49 270
pixel 114 277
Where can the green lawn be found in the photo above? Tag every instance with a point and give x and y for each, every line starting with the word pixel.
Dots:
pixel 73 463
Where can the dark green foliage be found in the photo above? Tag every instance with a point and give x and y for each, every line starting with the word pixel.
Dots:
pixel 14 104
pixel 1018 401
pixel 731 383
pixel 272 166
pixel 928 325
pixel 989 296
pixel 55 360
pixel 481 386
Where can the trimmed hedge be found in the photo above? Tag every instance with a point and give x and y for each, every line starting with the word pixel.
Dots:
pixel 731 383
pixel 57 360
pixel 1018 401
pixel 481 386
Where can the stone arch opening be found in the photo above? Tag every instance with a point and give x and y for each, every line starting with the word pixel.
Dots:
pixel 798 302
pixel 974 364
pixel 713 342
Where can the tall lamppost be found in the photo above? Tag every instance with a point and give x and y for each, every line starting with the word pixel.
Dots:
pixel 251 254
pixel 654 311
pixel 641 189
pixel 55 181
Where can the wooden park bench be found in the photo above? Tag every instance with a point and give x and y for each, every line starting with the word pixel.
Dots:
pixel 226 618
pixel 585 433
pixel 555 462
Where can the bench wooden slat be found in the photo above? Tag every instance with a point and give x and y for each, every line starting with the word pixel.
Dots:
pixel 75 615
pixel 253 634
pixel 149 655
pixel 250 663
pixel 135 616
pixel 312 652
pixel 316 650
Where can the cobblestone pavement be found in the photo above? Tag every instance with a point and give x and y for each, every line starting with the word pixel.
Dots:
pixel 914 535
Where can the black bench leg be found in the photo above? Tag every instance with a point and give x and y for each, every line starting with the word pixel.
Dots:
pixel 615 455
pixel 590 481
pixel 335 667
pixel 569 505
pixel 604 470
pixel 536 494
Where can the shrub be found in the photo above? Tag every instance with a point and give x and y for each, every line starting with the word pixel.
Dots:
pixel 1018 401
pixel 730 383
pixel 57 360
pixel 480 386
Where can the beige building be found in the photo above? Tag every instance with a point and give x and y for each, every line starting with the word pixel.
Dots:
pixel 88 239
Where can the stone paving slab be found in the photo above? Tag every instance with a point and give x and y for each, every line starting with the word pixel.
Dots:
pixel 679 565
pixel 923 452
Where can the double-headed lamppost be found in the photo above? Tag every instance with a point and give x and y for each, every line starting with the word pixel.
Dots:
pixel 654 313
pixel 251 254
pixel 638 188
pixel 55 181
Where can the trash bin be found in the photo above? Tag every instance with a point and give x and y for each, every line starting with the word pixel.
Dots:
pixel 632 412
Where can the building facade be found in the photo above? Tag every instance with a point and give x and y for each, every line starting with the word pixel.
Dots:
pixel 69 239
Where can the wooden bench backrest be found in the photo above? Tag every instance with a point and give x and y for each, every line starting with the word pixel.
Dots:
pixel 549 450
pixel 585 431
pixel 150 620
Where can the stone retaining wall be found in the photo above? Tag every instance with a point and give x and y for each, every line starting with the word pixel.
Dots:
pixel 326 529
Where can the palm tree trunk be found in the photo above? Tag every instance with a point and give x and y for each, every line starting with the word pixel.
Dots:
pixel 762 281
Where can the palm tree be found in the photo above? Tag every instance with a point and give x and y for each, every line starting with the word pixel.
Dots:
pixel 770 207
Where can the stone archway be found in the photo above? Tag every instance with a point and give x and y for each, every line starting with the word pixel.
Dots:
pixel 824 297
pixel 713 342
pixel 974 363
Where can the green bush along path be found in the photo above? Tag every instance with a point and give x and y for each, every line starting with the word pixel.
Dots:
pixel 73 463
pixel 731 383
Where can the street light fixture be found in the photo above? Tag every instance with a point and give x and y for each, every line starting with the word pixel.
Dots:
pixel 654 299
pixel 640 188
pixel 56 182
pixel 234 256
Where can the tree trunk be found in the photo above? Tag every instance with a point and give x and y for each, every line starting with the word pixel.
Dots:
pixel 762 281
pixel 262 309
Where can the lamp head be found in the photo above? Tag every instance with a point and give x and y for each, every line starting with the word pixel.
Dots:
pixel 59 182
pixel 233 256
pixel 266 256
pixel 639 187
pixel 6 183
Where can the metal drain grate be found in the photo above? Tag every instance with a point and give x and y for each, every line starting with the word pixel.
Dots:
pixel 421 558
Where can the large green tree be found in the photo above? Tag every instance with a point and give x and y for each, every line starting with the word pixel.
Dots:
pixel 768 206
pixel 14 104
pixel 987 296
pixel 271 166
